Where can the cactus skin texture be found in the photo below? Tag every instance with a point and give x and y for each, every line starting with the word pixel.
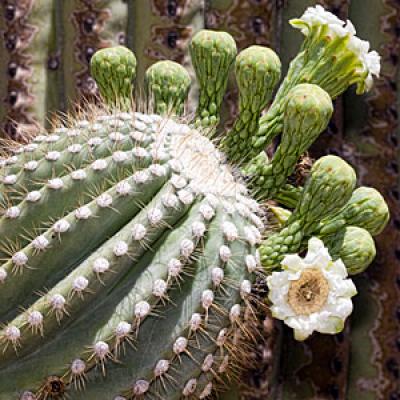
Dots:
pixel 129 248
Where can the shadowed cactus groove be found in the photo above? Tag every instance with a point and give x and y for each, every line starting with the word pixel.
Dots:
pixel 133 243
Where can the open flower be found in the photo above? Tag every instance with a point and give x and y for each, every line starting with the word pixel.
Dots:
pixel 312 293
pixel 317 21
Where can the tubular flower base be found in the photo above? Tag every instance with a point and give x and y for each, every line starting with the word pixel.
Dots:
pixel 130 242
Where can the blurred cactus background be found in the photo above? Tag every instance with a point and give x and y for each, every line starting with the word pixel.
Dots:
pixel 45 53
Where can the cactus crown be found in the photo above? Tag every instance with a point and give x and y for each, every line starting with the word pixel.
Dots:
pixel 129 241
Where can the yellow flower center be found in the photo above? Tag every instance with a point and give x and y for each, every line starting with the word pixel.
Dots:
pixel 309 293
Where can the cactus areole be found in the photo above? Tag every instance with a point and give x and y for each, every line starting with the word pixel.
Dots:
pixel 132 236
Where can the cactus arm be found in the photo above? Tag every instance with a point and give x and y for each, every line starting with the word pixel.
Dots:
pixel 167 85
pixel 307 113
pixel 257 72
pixel 212 56
pixel 327 189
pixel 114 70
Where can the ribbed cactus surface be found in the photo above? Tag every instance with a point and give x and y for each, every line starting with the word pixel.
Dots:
pixel 132 239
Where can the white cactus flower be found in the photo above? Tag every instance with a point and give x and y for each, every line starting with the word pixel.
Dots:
pixel 312 293
pixel 318 16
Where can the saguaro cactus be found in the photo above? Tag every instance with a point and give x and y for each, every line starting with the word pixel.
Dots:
pixel 129 240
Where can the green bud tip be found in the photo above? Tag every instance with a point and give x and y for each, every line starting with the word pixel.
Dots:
pixel 114 70
pixel 168 84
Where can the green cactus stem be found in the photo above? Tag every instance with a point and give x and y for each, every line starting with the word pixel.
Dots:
pixel 167 84
pixel 327 190
pixel 257 70
pixel 308 110
pixel 212 55
pixel 114 70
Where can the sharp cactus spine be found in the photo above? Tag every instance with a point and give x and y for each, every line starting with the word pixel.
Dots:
pixel 132 246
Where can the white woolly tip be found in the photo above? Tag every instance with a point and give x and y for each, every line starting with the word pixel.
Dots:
pixel 13 212
pixel 83 124
pixel 120 248
pixel 101 265
pixel 141 177
pixel 119 156
pixel 161 367
pixel 198 229
pixel 206 391
pixel 52 155
pixel 230 231
pixel 19 259
pixel 80 284
pixel 224 365
pixel 56 183
pixel 225 253
pixel 207 212
pixel 95 141
pixel 251 263
pixel 140 387
pixel 74 148
pixel 123 329
pixel 180 345
pixel 10 179
pixel 3 275
pixel 31 147
pixel 40 242
pixel 138 232
pixel 234 313
pixel 170 200
pixel 31 165
pixel 140 152
pixel 123 188
pixel 78 367
pixel 195 322
pixel 186 248
pixel 35 319
pixel 160 288
pixel 190 387
pixel 104 200
pixel 73 133
pixel 138 136
pixel 101 350
pixel 185 196
pixel 33 196
pixel 27 396
pixel 217 276
pixel 78 175
pixel 12 334
pixel 222 336
pixel 174 267
pixel 116 136
pixel 142 309
pixel 207 298
pixel 158 169
pixel 120 398
pixel 154 216
pixel 99 165
pixel 83 212
pixel 207 363
pixel 179 182
pixel 245 289
pixel 57 301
